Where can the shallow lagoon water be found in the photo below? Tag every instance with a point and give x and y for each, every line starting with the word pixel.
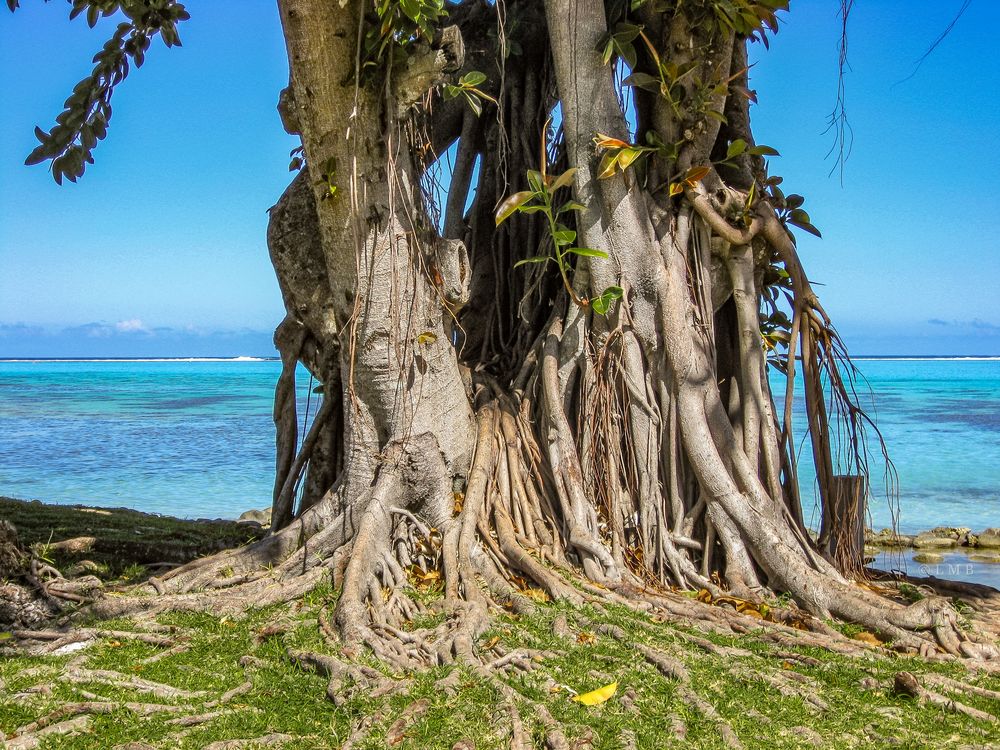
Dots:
pixel 195 438
pixel 941 422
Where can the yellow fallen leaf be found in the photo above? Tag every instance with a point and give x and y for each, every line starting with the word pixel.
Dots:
pixel 537 594
pixel 866 637
pixel 596 697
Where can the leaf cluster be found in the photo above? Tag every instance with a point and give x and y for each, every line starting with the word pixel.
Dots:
pixel 789 207
pixel 87 112
pixel 541 199
pixel 393 27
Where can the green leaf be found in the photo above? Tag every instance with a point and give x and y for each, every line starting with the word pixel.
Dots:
pixel 794 201
pixel 37 156
pixel 626 32
pixel 566 178
pixel 628 156
pixel 536 181
pixel 472 78
pixel 474 104
pixel 587 252
pixel 607 51
pixel 563 236
pixel 806 226
pixel 571 206
pixel 606 168
pixel 736 148
pixel 535 259
pixel 764 151
pixel 511 204
pixel 799 215
pixel 603 303
pixel 626 50
pixel 643 81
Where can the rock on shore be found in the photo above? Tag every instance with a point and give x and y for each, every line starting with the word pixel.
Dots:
pixel 938 538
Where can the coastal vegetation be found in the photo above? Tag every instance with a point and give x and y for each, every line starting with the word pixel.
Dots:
pixel 547 451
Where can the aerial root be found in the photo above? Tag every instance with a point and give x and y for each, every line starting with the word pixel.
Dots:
pixel 947 683
pixel 361 729
pixel 555 738
pixel 127 682
pixel 707 710
pixel 908 684
pixel 674 669
pixel 262 591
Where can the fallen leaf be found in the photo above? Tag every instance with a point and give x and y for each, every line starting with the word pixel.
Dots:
pixel 537 594
pixel 596 697
pixel 866 637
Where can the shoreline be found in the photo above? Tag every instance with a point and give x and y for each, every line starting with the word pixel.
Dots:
pixel 928 546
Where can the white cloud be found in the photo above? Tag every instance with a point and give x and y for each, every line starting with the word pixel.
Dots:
pixel 131 326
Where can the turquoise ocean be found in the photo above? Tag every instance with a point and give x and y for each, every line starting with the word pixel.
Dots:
pixel 195 438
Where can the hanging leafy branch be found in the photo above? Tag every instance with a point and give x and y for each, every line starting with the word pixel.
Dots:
pixel 87 112
pixel 541 198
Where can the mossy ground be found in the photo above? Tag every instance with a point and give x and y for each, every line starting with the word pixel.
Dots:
pixel 123 538
pixel 862 710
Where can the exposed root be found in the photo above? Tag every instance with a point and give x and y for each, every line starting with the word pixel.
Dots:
pixel 707 710
pixel 397 731
pixel 29 740
pixel 345 677
pixel 907 684
pixel 275 739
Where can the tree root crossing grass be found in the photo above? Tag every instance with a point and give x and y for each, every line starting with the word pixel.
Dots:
pixel 272 678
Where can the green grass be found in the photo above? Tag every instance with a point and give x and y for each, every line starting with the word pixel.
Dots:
pixel 285 699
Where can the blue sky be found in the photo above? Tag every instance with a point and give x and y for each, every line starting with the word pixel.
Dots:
pixel 160 249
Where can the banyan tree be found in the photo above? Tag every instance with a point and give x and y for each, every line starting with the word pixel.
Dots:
pixel 544 367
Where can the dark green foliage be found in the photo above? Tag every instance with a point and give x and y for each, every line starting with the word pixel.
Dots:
pixel 87 111
pixel 393 27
